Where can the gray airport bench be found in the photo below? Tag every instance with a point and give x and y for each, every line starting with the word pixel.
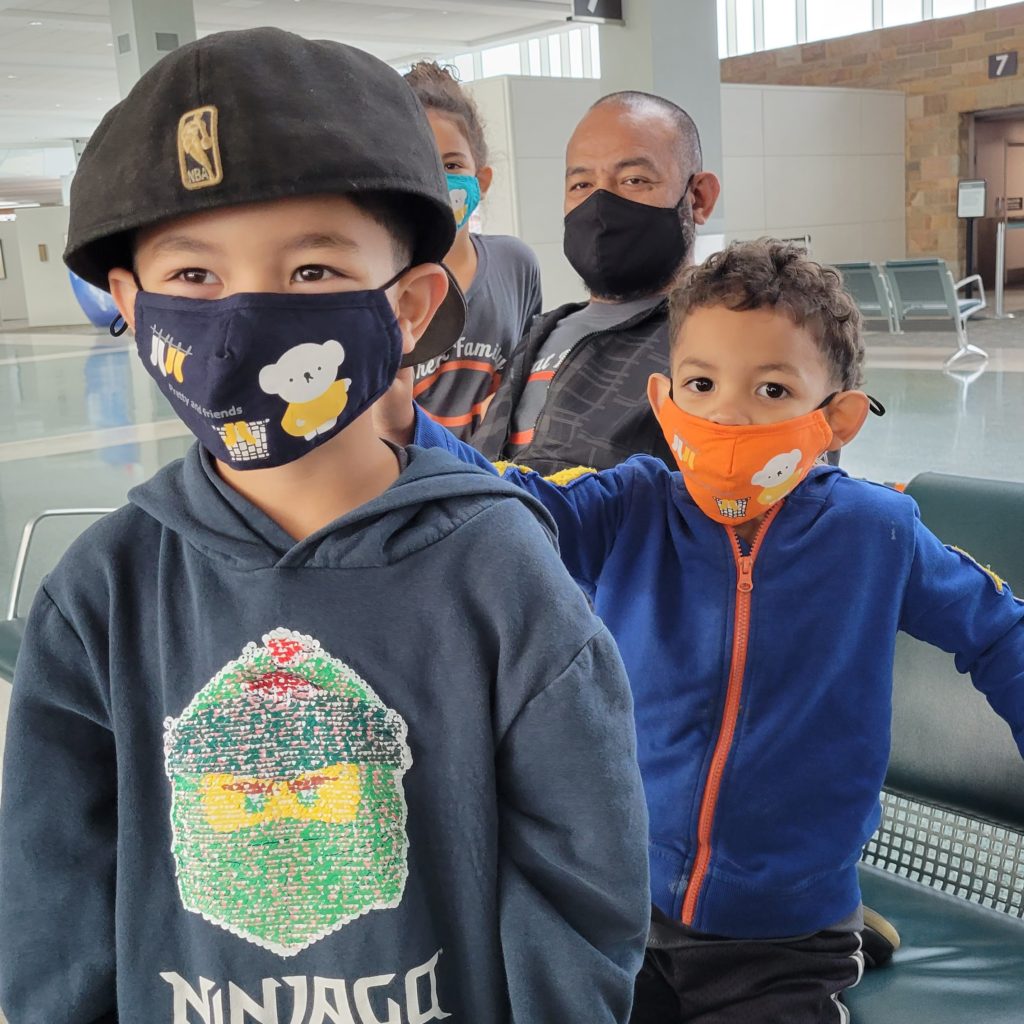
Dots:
pixel 12 627
pixel 925 290
pixel 868 286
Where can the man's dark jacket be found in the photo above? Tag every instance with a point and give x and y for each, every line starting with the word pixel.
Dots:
pixel 596 412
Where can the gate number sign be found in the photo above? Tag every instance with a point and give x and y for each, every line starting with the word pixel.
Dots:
pixel 1002 65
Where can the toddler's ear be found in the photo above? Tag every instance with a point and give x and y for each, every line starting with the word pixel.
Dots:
pixel 123 289
pixel 659 391
pixel 846 414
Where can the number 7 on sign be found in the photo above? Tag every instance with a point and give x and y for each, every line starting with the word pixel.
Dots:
pixel 1002 59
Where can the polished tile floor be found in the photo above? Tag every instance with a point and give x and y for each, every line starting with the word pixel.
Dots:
pixel 81 422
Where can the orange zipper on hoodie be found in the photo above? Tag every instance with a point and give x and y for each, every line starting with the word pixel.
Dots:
pixel 733 695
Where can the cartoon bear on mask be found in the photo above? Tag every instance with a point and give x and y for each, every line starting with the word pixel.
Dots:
pixel 306 378
pixel 459 199
pixel 779 476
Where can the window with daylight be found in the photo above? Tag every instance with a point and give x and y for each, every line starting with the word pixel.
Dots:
pixel 501 60
pixel 901 12
pixel 745 26
pixel 947 8
pixel 826 19
pixel 779 23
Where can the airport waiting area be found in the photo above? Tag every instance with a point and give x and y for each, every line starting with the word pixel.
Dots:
pixel 512 512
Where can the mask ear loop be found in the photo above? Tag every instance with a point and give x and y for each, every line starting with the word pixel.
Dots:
pixel 873 404
pixel 115 330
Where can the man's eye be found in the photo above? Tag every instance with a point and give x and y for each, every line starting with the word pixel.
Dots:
pixel 193 275
pixel 701 385
pixel 579 186
pixel 312 274
pixel 635 181
pixel 774 391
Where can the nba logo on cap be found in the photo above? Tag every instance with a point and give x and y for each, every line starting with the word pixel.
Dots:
pixel 199 149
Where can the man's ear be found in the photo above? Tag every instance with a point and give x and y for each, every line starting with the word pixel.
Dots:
pixel 123 289
pixel 417 296
pixel 659 391
pixel 846 414
pixel 485 178
pixel 706 188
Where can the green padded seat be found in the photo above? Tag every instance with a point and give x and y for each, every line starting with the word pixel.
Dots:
pixel 951 841
pixel 959 964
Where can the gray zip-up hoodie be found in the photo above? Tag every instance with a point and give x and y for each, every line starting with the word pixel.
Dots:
pixel 384 775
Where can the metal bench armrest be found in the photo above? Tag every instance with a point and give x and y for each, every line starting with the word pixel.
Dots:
pixel 26 542
pixel 973 279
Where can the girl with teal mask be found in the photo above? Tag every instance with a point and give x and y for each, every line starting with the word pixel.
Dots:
pixel 498 274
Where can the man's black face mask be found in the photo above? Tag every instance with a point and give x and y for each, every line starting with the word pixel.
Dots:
pixel 625 250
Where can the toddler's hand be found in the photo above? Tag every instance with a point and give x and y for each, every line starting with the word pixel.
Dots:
pixel 394 415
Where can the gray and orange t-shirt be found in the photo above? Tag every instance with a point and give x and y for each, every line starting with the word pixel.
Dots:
pixel 502 299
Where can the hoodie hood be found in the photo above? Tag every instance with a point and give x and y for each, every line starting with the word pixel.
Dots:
pixel 433 496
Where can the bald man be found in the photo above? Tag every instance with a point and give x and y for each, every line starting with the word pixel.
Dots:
pixel 573 392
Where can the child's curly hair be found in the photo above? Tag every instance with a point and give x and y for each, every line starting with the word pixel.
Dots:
pixel 769 274
pixel 437 88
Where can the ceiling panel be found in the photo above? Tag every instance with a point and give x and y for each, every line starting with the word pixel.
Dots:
pixel 57 75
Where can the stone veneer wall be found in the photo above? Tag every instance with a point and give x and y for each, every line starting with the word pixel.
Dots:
pixel 942 66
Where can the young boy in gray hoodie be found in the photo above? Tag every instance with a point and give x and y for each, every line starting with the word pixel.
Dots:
pixel 286 743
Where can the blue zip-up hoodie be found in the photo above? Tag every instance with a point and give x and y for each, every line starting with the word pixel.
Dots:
pixel 370 776
pixel 790 802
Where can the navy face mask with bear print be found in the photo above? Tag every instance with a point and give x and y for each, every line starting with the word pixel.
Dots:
pixel 261 379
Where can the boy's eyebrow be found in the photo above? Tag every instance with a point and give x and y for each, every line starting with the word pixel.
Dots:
pixel 322 240
pixel 778 368
pixel 453 152
pixel 699 364
pixel 183 243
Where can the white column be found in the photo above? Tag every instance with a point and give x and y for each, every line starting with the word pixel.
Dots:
pixel 145 31
pixel 670 48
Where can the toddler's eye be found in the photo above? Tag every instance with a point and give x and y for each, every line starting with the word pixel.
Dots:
pixel 701 385
pixel 774 391
pixel 312 274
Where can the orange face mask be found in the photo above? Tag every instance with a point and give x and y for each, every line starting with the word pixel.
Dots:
pixel 737 473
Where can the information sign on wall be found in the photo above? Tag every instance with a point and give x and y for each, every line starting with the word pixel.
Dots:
pixel 601 11
pixel 1002 65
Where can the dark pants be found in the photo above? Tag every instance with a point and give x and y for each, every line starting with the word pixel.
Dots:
pixel 697 980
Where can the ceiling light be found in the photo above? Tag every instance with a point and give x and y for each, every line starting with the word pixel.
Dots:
pixel 12 76
pixel 35 24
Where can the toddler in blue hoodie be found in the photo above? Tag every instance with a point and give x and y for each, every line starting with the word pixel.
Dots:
pixel 762 750
pixel 286 743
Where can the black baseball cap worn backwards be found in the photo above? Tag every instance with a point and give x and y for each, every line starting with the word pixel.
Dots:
pixel 253 116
